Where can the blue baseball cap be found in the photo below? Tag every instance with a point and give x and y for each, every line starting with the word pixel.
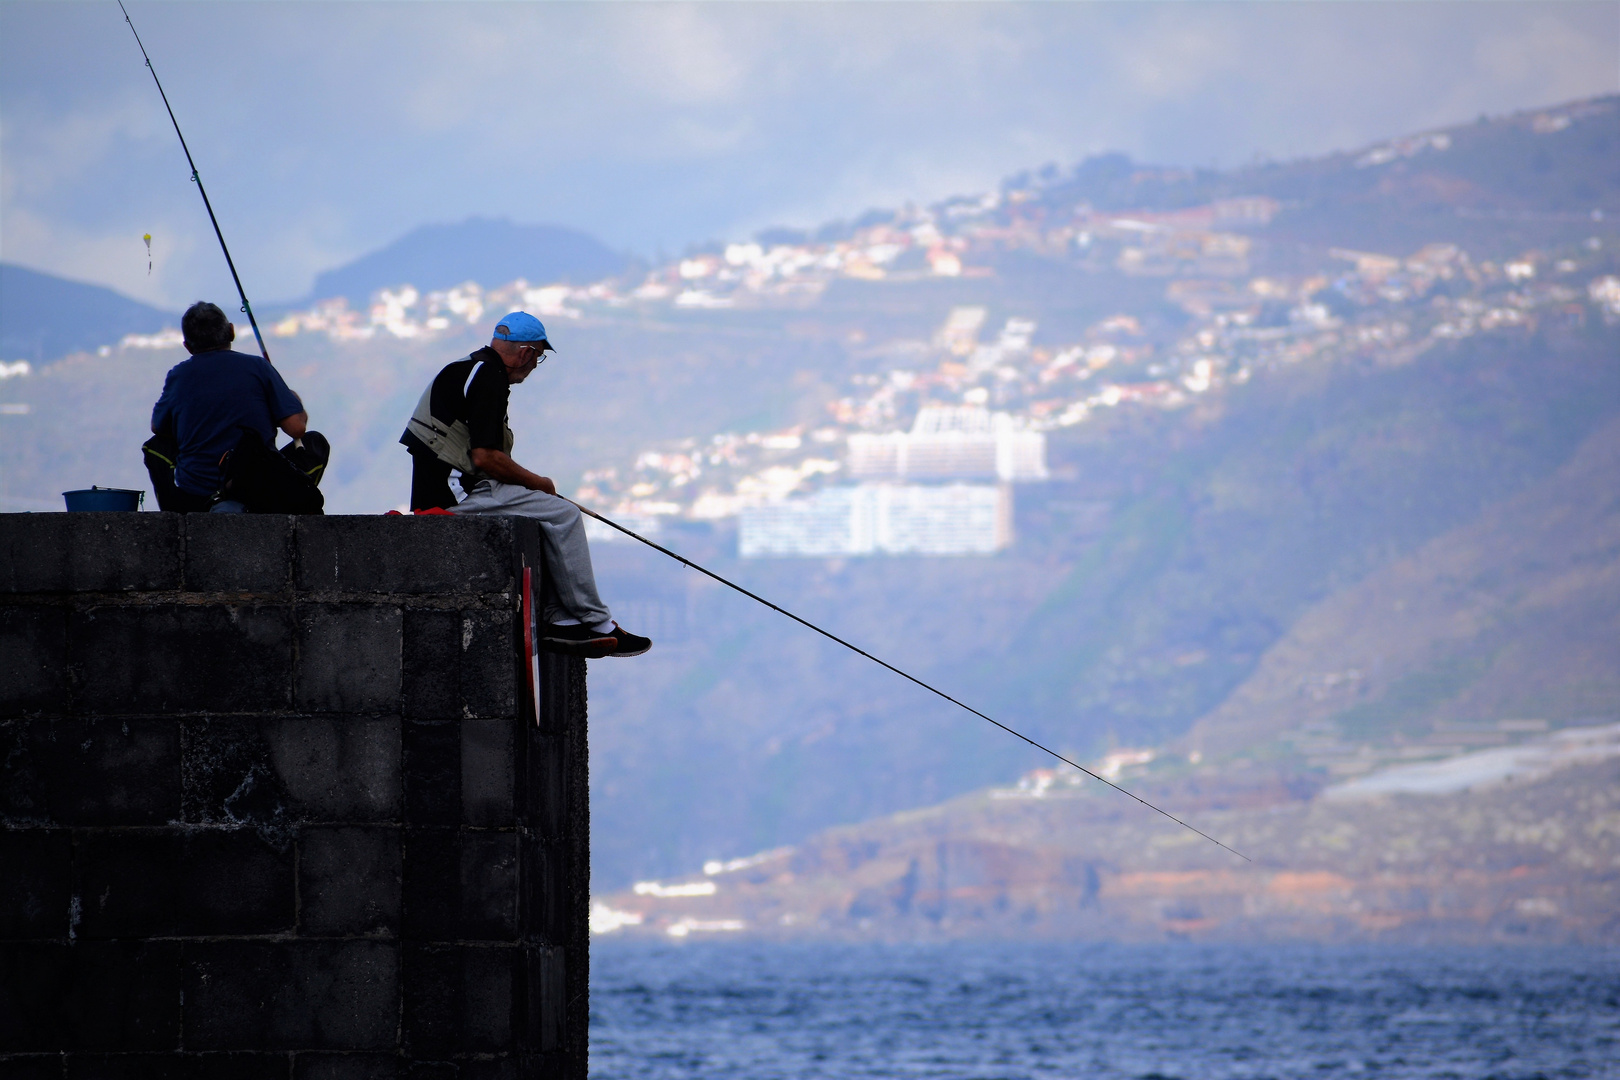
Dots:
pixel 523 327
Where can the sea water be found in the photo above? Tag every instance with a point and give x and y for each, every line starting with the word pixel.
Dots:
pixel 1179 1010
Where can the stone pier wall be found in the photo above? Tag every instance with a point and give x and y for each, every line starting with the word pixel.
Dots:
pixel 274 803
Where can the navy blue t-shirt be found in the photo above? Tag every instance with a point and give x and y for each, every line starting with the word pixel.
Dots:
pixel 208 399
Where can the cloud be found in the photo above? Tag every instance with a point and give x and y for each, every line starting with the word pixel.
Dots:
pixel 325 130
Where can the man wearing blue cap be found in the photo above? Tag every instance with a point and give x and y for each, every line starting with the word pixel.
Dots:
pixel 460 425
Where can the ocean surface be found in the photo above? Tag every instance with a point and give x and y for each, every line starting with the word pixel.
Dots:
pixel 1005 1011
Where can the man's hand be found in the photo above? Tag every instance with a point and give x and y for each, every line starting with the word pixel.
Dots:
pixel 499 464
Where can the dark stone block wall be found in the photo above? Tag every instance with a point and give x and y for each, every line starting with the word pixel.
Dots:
pixel 275 802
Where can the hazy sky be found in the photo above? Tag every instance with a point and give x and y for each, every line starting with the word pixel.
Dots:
pixel 324 130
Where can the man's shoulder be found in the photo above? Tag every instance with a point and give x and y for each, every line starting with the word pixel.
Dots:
pixel 488 383
pixel 458 371
pixel 460 363
pixel 220 359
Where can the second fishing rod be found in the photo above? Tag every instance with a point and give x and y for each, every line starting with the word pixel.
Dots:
pixel 196 178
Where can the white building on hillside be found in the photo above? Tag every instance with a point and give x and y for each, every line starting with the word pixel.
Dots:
pixel 951 442
pixel 881 519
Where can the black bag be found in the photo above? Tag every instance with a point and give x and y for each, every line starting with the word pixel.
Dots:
pixel 160 452
pixel 270 482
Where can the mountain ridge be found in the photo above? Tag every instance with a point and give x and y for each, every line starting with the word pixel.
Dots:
pixel 486 250
pixel 44 317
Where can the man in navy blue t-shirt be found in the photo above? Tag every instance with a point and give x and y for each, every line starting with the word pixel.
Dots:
pixel 209 399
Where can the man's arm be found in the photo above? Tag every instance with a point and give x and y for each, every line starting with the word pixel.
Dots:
pixel 162 410
pixel 499 464
pixel 284 402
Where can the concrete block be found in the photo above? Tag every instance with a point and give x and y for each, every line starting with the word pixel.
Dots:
pixel 487 772
pixel 33 987
pixel 348 658
pixel 562 681
pixel 460 885
pixel 506 1067
pixel 458 998
pixel 172 883
pixel 432 772
pixel 487 985
pixel 89 772
pixel 89 996
pixel 36 883
pixel 229 658
pixel 126 885
pixel 177 1066
pixel 31 1067
pixel 488 902
pixel 547 1005
pixel 349 880
pixel 342 768
pixel 431 1021
pixel 431 684
pixel 544 896
pixel 234 881
pixel 249 553
pixel 89 552
pixel 434 1070
pixel 405 555
pixel 460 665
pixel 229 773
pixel 348 1067
pixel 33 660
pixel 432 885
pixel 489 662
pixel 301 995
pixel 545 807
pixel 268 770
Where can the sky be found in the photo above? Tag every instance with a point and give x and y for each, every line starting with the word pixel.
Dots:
pixel 325 130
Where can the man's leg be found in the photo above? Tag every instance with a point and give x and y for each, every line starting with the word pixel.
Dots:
pixel 573 596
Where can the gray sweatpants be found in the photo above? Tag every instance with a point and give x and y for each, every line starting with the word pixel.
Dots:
pixel 571 596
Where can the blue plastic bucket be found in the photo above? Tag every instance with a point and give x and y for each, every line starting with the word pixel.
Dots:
pixel 100 498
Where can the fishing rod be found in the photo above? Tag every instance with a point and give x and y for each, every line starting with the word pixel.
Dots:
pixel 689 564
pixel 196 179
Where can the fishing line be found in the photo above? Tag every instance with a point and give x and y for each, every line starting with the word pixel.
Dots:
pixel 904 675
pixel 196 179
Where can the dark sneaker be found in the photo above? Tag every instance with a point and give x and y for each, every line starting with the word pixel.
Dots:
pixel 629 644
pixel 578 640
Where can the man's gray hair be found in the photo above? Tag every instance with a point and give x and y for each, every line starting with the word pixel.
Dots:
pixel 206 328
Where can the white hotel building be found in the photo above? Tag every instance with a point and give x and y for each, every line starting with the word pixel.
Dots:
pixel 886 515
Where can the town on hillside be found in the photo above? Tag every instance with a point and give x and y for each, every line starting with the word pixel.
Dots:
pixel 922 454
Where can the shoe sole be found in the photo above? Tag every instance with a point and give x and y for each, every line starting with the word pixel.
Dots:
pixel 638 652
pixel 594 649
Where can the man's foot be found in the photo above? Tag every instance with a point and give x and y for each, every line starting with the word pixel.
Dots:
pixel 578 640
pixel 629 644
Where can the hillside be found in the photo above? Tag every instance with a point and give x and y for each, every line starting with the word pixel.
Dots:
pixel 1514 617
pixel 1529 858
